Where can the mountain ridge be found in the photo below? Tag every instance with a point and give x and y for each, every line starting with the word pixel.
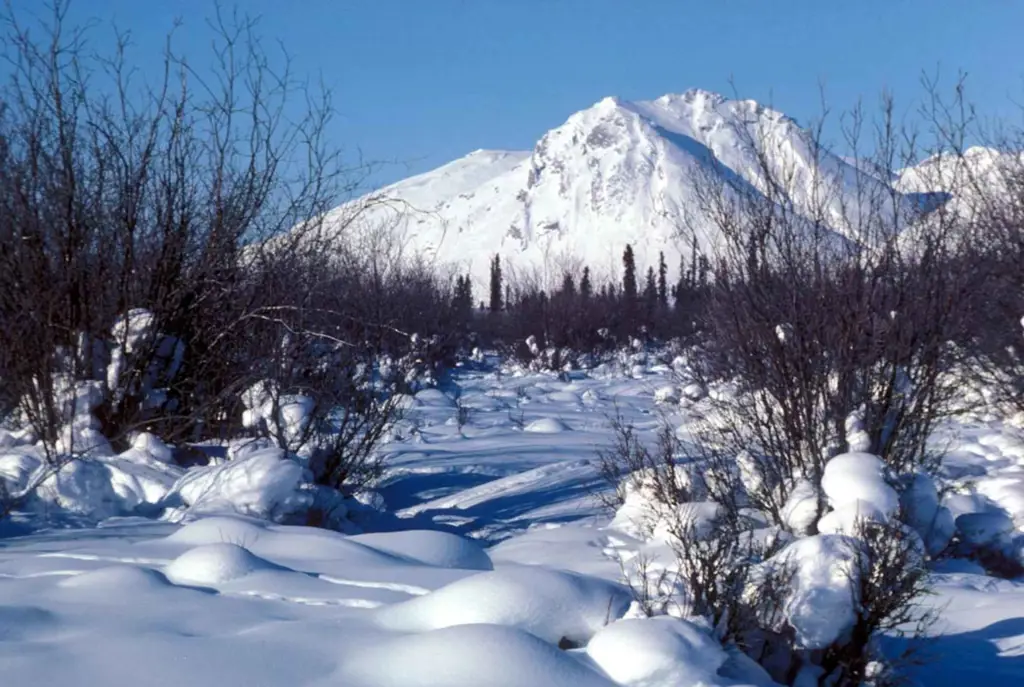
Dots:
pixel 619 172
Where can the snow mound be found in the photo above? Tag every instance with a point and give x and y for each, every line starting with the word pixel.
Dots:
pixel 984 529
pixel 468 656
pixel 551 605
pixel 656 651
pixel 119 578
pixel 852 477
pixel 266 484
pixel 430 547
pixel 21 623
pixel 152 446
pixel 214 564
pixel 547 425
pixel 218 530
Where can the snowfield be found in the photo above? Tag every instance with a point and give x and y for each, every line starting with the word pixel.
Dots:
pixel 492 562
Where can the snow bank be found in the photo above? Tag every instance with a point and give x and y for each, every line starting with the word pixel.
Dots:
pixel 468 656
pixel 657 651
pixel 430 547
pixel 214 564
pixel 551 605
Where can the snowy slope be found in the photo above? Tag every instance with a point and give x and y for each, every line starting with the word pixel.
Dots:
pixel 967 180
pixel 618 172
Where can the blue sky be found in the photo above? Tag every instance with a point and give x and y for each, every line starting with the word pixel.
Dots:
pixel 420 82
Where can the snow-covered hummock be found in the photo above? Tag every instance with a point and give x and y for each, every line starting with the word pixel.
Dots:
pixel 617 172
pixel 657 651
pixel 552 605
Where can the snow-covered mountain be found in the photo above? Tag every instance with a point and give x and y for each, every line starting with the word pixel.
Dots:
pixel 618 172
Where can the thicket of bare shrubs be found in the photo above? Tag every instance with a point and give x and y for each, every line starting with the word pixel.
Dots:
pixel 164 240
pixel 829 326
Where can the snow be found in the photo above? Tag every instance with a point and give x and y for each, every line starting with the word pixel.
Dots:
pixel 546 425
pixel 821 606
pixel 859 477
pixel 549 604
pixel 498 656
pixel 493 565
pixel 429 547
pixel 266 483
pixel 214 563
pixel 657 652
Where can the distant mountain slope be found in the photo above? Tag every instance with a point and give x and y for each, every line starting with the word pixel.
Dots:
pixel 618 172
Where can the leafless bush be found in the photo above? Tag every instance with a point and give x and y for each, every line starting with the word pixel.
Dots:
pixel 831 305
pixel 196 204
pixel 728 568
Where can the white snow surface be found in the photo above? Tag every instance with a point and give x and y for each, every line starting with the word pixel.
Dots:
pixel 496 567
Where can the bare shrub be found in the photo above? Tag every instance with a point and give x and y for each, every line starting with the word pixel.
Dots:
pixel 832 311
pixel 169 243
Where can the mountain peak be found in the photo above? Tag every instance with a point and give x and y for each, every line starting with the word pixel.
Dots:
pixel 619 172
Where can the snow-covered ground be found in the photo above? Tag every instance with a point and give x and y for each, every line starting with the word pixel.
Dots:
pixel 495 566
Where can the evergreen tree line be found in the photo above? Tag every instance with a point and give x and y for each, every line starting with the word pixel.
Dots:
pixel 585 315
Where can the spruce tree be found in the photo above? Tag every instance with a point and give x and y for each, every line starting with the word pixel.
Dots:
pixel 629 287
pixel 650 295
pixel 496 284
pixel 662 281
pixel 586 288
pixel 568 285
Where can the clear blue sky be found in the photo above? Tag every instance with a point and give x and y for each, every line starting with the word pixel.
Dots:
pixel 422 82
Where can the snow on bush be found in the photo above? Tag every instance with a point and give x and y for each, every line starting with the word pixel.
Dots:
pixel 467 656
pixel 215 564
pixel 853 477
pixel 667 394
pixel 657 651
pixel 135 333
pixel 267 483
pixel 552 605
pixel 992 529
pixel 857 491
pixel 644 516
pixel 820 605
pixel 801 508
pixel 283 417
pixel 83 487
